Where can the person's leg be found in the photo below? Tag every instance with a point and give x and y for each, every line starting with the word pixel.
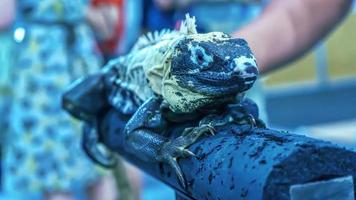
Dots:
pixel 58 196
pixel 103 189
pixel 124 183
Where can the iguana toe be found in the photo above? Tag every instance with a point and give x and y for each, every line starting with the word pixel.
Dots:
pixel 208 129
pixel 187 153
pixel 169 155
pixel 177 148
pixel 193 134
pixel 175 166
pixel 251 120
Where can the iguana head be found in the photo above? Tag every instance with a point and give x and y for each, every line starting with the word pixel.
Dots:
pixel 214 64
pixel 208 68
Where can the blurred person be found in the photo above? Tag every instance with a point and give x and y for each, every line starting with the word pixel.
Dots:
pixel 42 151
pixel 107 19
pixel 286 30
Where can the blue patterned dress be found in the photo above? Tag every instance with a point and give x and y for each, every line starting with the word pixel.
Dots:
pixel 42 151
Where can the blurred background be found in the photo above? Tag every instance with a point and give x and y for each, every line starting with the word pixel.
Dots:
pixel 45 45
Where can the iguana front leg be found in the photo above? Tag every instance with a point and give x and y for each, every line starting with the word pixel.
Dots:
pixel 145 137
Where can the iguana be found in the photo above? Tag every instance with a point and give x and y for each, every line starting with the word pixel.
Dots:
pixel 168 77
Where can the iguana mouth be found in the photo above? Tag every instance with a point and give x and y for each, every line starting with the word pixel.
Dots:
pixel 249 79
pixel 226 80
pixel 225 77
pixel 213 85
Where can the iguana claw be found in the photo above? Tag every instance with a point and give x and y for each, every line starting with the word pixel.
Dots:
pixel 251 120
pixel 255 122
pixel 177 148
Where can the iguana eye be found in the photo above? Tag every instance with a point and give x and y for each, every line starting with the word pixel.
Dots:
pixel 199 55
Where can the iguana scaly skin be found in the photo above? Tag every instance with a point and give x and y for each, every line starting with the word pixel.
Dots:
pixel 168 77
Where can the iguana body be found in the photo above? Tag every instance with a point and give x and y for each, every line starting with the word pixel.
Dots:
pixel 146 70
pixel 170 78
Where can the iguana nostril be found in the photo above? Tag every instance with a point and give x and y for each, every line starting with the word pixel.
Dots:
pixel 251 70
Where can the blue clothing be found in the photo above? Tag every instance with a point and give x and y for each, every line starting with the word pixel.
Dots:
pixel 43 148
pixel 6 58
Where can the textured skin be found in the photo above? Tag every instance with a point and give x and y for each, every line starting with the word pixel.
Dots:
pixel 169 78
